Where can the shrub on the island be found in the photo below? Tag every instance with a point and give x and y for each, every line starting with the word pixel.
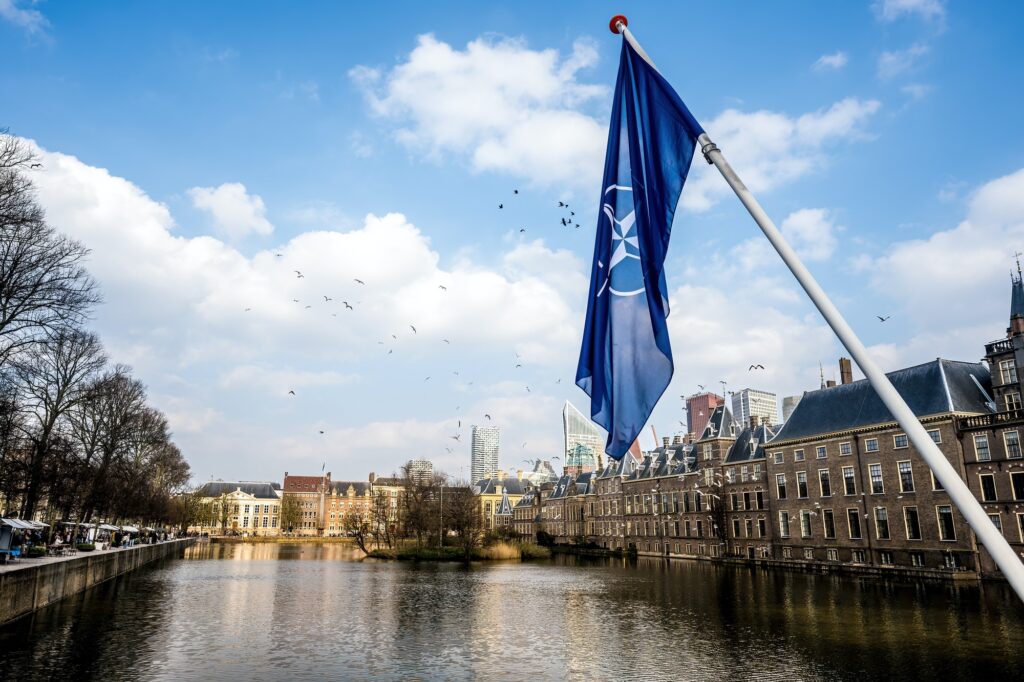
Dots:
pixel 545 539
pixel 500 550
pixel 85 547
pixel 36 551
pixel 528 550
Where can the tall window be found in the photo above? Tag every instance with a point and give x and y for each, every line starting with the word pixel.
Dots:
pixel 875 470
pixel 801 484
pixel 871 445
pixel 946 529
pixel 1012 441
pixel 853 519
pixel 899 441
pixel 881 523
pixel 849 481
pixel 906 477
pixel 1020 526
pixel 825 483
pixel 798 455
pixel 759 496
pixel 784 524
pixel 1008 372
pixel 988 487
pixel 805 524
pixel 1017 483
pixel 829 522
pixel 780 485
pixel 1012 401
pixel 996 521
pixel 981 451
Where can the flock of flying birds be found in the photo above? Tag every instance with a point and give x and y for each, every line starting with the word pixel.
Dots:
pixel 566 219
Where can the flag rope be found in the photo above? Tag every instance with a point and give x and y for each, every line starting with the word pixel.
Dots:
pixel 956 488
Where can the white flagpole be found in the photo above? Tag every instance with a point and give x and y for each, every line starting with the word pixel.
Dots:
pixel 959 493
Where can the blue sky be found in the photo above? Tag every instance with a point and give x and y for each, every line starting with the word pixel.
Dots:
pixel 189 143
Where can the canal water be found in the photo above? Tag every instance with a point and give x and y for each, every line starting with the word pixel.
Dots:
pixel 314 612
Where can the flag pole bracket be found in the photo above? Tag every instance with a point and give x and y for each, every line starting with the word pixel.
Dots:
pixel 613 25
pixel 706 150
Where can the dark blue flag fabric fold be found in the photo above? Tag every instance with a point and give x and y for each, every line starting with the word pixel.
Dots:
pixel 626 360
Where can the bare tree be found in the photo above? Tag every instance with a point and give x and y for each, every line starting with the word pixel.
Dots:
pixel 462 514
pixel 52 376
pixel 44 286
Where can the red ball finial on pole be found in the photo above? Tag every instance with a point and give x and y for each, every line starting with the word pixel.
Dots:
pixel 614 23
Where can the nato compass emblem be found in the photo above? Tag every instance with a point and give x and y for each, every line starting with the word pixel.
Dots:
pixel 624 278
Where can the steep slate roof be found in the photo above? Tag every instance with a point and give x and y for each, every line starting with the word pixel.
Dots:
pixel 741 450
pixel 936 387
pixel 511 485
pixel 1017 298
pixel 263 491
pixel 504 507
pixel 526 500
pixel 563 488
pixel 720 425
pixel 361 487
pixel 585 483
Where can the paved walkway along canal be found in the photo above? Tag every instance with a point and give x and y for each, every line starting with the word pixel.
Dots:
pixel 315 612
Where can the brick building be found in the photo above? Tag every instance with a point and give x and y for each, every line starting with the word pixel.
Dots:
pixel 699 408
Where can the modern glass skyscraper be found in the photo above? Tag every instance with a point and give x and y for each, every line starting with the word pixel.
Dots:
pixel 584 442
pixel 485 448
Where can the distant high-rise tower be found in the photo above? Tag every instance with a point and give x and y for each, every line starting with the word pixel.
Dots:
pixel 698 411
pixel 584 442
pixel 421 470
pixel 789 404
pixel 751 402
pixel 485 448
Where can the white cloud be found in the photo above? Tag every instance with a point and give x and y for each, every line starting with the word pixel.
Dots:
pixel 498 104
pixel 891 10
pixel 32 20
pixel 235 212
pixel 953 285
pixel 769 149
pixel 897 62
pixel 831 62
pixel 175 308
pixel 811 232
pixel 916 90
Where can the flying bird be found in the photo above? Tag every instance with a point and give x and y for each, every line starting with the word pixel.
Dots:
pixel 291 392
pixel 412 328
pixel 700 386
pixel 39 165
pixel 501 205
pixel 524 444
pixel 515 191
pixel 753 367
pixel 394 337
pixel 327 298
pixel 449 450
pixel 559 381
pixel 456 437
pixel 248 309
pixel 561 205
pixel 564 222
pixel 446 341
pixel 358 281
pixel 390 352
pixel 522 229
pixel 487 416
pixel 442 287
pixel 347 305
pixel 883 319
pixel 528 389
pixel 321 433
pixel 518 366
pixel 427 379
pixel 295 300
pixel 308 307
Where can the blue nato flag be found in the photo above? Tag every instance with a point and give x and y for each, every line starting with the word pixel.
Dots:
pixel 626 360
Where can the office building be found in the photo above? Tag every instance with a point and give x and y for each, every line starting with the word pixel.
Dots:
pixel 421 470
pixel 485 447
pixel 751 402
pixel 584 442
pixel 699 408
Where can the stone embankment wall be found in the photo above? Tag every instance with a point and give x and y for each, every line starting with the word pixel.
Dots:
pixel 31 587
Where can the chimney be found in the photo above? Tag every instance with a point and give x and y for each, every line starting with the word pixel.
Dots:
pixel 372 477
pixel 845 371
pixel 754 421
pixel 1016 326
pixel 831 383
pixel 664 441
pixel 677 439
pixel 519 474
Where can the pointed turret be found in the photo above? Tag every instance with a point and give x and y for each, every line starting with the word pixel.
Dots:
pixel 1016 303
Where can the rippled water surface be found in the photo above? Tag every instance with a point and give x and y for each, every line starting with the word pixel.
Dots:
pixel 312 612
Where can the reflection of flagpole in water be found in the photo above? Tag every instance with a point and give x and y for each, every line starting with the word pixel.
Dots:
pixel 972 511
